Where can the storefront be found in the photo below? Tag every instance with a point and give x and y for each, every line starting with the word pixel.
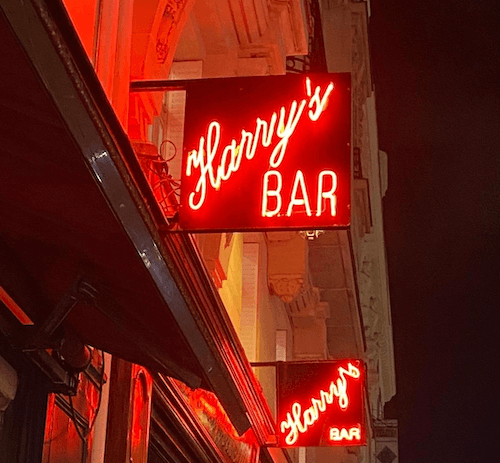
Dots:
pixel 88 255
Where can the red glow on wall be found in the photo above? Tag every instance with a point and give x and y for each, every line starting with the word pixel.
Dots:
pixel 206 403
pixel 83 15
pixel 215 420
pixel 320 404
pixel 267 153
pixel 19 313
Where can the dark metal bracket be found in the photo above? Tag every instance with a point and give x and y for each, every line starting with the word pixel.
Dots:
pixel 42 338
pixel 35 347
pixel 173 224
pixel 265 364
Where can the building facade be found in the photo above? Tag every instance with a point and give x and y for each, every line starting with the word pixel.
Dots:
pixel 122 339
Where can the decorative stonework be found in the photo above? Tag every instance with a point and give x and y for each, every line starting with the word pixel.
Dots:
pixel 290 14
pixel 386 455
pixel 243 38
pixel 385 433
pixel 287 265
pixel 360 62
pixel 361 202
pixel 308 305
pixel 308 314
pixel 288 287
pixel 169 21
pixel 376 324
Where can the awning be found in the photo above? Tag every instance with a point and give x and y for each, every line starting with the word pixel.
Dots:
pixel 73 208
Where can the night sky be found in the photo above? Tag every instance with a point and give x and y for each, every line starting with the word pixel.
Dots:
pixel 436 66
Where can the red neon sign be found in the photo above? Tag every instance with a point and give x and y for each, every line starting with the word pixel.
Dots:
pixel 267 153
pixel 320 404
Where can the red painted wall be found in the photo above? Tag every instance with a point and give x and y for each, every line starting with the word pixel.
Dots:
pixel 83 13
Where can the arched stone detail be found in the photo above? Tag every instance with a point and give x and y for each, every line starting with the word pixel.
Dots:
pixel 156 30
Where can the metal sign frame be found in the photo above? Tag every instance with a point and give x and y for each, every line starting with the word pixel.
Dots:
pixel 265 153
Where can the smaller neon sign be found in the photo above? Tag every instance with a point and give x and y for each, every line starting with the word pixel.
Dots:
pixel 320 403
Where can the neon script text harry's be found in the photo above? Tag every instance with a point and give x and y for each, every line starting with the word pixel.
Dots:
pixel 298 421
pixel 281 127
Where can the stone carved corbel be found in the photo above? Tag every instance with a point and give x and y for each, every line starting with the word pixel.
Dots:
pixel 287 287
pixel 287 265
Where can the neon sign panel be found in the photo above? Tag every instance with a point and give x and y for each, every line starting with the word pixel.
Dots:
pixel 263 135
pixel 267 153
pixel 312 415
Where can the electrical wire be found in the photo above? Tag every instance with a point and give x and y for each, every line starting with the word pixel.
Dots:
pixel 175 150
